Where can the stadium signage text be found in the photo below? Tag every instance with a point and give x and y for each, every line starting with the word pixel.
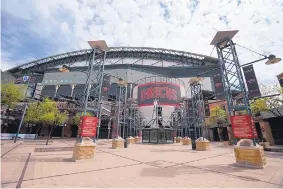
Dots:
pixel 166 93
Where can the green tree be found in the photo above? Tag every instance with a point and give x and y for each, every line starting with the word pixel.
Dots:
pixel 218 113
pixel 11 95
pixel 46 113
pixel 76 119
pixel 273 103
pixel 259 105
pixel 218 116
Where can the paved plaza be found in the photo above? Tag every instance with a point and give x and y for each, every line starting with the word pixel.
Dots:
pixel 28 164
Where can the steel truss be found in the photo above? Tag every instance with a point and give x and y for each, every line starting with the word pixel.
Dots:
pixel 198 109
pixel 92 100
pixel 134 117
pixel 180 57
pixel 120 118
pixel 232 77
pixel 178 120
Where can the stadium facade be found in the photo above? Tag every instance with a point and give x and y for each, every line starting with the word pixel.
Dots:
pixel 142 68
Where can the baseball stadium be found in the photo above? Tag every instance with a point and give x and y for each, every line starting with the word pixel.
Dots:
pixel 151 76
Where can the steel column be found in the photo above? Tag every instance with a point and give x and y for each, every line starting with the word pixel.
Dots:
pixel 232 77
pixel 92 92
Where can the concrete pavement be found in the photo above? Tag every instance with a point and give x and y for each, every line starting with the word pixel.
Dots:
pixel 30 164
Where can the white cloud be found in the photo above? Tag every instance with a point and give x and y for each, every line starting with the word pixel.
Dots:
pixel 181 25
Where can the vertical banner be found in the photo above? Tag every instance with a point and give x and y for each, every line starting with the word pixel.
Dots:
pixel 105 85
pixel 219 88
pixel 206 108
pixel 251 81
pixel 280 79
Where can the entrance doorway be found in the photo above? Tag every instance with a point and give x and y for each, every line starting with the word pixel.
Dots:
pixel 277 129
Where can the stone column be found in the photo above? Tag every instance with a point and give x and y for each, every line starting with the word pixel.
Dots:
pixel 73 86
pixel 56 89
pixel 266 132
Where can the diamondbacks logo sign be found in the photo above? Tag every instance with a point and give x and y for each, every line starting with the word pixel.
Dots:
pixel 25 79
pixel 166 93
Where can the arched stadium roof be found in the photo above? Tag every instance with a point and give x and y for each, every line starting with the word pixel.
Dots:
pixel 175 58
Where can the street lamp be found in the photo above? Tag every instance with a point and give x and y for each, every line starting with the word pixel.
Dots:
pixel 231 75
pixel 197 107
pixel 64 68
pixel 272 60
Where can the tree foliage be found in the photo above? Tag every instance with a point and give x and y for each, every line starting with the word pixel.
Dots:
pixel 11 94
pixel 259 105
pixel 76 119
pixel 45 112
pixel 268 104
pixel 216 114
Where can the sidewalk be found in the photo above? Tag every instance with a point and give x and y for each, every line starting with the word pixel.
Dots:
pixel 137 166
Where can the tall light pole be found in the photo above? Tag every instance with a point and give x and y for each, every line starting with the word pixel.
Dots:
pixel 230 67
pixel 94 80
pixel 121 100
pixel 198 108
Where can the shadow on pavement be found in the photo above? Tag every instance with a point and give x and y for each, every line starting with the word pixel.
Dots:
pixel 169 172
pixel 171 150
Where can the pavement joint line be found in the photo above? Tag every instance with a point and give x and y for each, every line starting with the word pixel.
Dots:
pixel 23 172
pixel 147 163
pixel 229 174
pixel 68 174
pixel 176 164
pixel 10 150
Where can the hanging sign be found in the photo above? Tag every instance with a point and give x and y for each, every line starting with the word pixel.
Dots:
pixel 251 81
pixel 219 88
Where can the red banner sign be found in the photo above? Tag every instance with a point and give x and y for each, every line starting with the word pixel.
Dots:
pixel 243 126
pixel 88 126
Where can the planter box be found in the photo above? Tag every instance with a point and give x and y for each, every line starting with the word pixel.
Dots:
pixel 187 141
pixel 248 155
pixel 178 139
pixel 84 151
pixel 118 143
pixel 131 140
pixel 202 144
pixel 137 139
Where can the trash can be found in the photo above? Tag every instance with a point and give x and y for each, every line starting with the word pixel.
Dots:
pixel 126 143
pixel 194 144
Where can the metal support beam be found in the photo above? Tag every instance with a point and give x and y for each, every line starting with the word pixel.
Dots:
pixel 232 77
pixel 120 119
pixel 92 92
pixel 197 109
